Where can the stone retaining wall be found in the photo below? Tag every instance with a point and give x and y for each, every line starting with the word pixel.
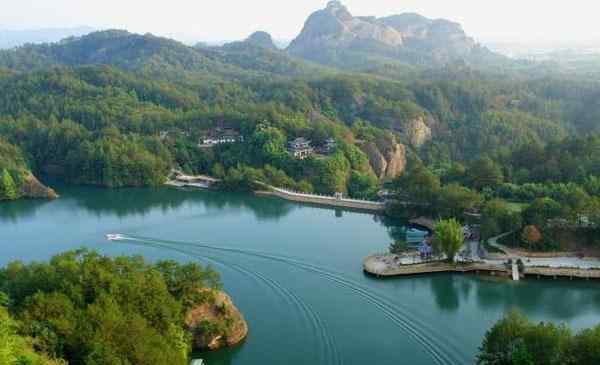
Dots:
pixel 370 267
pixel 563 272
pixel 325 200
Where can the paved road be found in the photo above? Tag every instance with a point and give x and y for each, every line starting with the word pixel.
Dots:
pixel 554 262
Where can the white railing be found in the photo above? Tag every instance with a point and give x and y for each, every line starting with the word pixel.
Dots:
pixel 325 197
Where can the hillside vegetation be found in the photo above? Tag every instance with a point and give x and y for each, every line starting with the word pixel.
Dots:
pixel 119 109
pixel 84 308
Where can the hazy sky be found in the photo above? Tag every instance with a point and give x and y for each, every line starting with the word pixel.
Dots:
pixel 234 19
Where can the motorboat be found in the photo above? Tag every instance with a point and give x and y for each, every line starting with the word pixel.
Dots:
pixel 114 237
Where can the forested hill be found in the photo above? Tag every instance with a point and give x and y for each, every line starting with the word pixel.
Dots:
pixel 119 109
pixel 77 123
pixel 259 53
pixel 157 57
pixel 114 47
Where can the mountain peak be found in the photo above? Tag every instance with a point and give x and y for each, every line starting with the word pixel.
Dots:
pixel 333 36
pixel 261 39
pixel 335 5
pixel 338 10
pixel 335 28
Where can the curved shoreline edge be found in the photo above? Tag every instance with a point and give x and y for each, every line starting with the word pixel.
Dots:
pixel 326 202
pixel 370 267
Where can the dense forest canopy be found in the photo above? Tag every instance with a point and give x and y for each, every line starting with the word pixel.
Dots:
pixel 88 309
pixel 119 109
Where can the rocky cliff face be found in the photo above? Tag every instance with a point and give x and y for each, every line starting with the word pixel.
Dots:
pixel 443 39
pixel 34 189
pixel 216 324
pixel 330 32
pixel 335 28
pixel 418 132
pixel 387 163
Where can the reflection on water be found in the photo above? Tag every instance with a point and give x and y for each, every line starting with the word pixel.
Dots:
pixel 127 202
pixel 12 212
pixel 446 292
pixel 561 299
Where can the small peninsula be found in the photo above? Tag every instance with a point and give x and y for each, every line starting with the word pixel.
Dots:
pixel 84 308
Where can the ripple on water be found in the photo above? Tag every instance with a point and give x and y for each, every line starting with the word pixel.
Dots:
pixel 321 342
pixel 440 350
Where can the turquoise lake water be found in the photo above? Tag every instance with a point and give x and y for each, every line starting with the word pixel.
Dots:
pixel 295 272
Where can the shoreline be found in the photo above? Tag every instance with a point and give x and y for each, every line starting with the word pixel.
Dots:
pixel 371 267
pixel 375 208
pixel 207 183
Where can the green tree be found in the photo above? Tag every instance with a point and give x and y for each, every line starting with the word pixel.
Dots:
pixel 16 349
pixel 8 189
pixel 448 238
pixel 418 185
pixel 331 174
pixel 218 171
pixel 497 218
pixel 91 309
pixel 585 349
pixel 267 144
pixel 454 200
pixel 362 186
pixel 485 173
pixel 515 340
pixel 541 211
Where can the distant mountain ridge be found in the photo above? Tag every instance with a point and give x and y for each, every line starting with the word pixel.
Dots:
pixel 332 35
pixel 160 57
pixel 16 38
pixel 134 52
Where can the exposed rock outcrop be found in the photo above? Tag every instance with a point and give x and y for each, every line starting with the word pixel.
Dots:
pixel 333 35
pixel 334 28
pixel 445 40
pixel 417 132
pixel 34 189
pixel 389 163
pixel 216 324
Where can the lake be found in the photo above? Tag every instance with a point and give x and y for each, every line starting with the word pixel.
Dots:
pixel 295 272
